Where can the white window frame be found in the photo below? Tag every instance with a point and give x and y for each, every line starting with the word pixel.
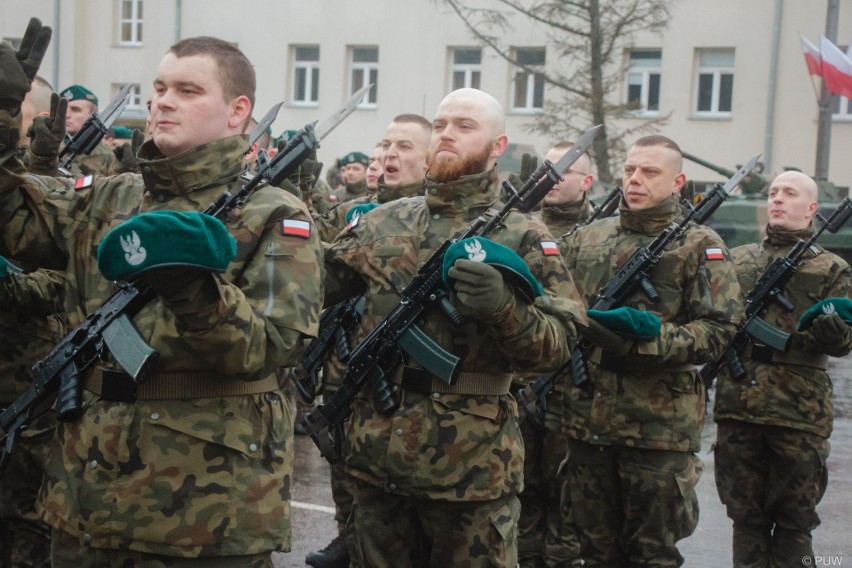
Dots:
pixel 716 71
pixel 308 67
pixel 469 71
pixel 136 107
pixel 531 83
pixel 645 72
pixel 134 21
pixel 369 73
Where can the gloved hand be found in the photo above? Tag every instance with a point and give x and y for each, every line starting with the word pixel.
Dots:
pixel 628 322
pixel 127 153
pixel 528 165
pixel 614 344
pixel 19 68
pixel 831 331
pixel 480 289
pixel 306 172
pixel 46 133
pixel 360 209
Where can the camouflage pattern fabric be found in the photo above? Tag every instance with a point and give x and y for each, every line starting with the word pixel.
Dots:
pixel 102 161
pixel 421 533
pixel 449 448
pixel 195 477
pixel 774 424
pixel 770 478
pixel 652 400
pixel 349 192
pixel 632 505
pixel 29 328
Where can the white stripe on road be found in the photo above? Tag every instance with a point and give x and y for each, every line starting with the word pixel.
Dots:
pixel 312 507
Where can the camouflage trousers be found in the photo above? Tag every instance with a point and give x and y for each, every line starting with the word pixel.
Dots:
pixel 546 537
pixel 770 479
pixel 68 551
pixel 395 531
pixel 24 539
pixel 631 506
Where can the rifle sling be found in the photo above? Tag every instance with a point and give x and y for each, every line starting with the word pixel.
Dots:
pixel 474 384
pixel 766 354
pixel 119 386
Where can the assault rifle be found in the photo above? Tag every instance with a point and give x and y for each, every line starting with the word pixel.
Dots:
pixel 375 358
pixel 110 326
pixel 637 270
pixel 769 288
pixel 336 323
pixel 533 396
pixel 93 130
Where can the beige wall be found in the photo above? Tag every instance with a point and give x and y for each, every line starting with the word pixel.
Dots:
pixel 414 37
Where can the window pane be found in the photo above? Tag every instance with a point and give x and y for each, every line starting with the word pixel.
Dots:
pixel 365 55
pixel 314 85
pixel 634 96
pixel 641 58
pixel 126 10
pixel 474 79
pixel 716 58
pixel 125 32
pixel 139 10
pixel 458 80
pixel 654 92
pixel 726 91
pixel 357 79
pixel 374 80
pixel 849 106
pixel 469 56
pixel 307 54
pixel 531 56
pixel 139 32
pixel 705 92
pixel 300 86
pixel 521 90
pixel 538 95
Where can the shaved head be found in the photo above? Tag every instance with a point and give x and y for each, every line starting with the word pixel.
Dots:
pixel 805 183
pixel 488 109
pixel 792 201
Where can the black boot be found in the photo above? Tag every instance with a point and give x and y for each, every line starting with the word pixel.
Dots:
pixel 335 555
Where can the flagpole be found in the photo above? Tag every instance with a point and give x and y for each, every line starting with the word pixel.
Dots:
pixel 826 100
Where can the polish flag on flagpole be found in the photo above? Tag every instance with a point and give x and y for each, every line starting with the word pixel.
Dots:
pixel 836 69
pixel 812 57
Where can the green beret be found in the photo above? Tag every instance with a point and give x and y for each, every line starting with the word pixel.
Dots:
pixel 360 209
pixel 354 158
pixel 839 306
pixel 79 93
pixel 628 322
pixel 511 266
pixel 7 268
pixel 165 238
pixel 122 132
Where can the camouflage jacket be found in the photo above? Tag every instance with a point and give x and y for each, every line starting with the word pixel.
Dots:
pixel 102 161
pixel 30 325
pixel 177 476
pixel 782 394
pixel 349 192
pixel 654 397
pixel 438 445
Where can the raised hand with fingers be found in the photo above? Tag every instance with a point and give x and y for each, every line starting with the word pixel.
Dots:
pixel 19 68
pixel 47 132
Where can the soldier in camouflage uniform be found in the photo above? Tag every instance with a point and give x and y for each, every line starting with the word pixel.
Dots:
pixel 545 535
pixel 353 172
pixel 404 148
pixel 774 424
pixel 635 426
pixel 29 328
pixel 437 481
pixel 196 464
pixel 81 104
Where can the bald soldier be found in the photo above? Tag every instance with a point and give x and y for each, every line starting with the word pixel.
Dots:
pixel 774 423
pixel 437 479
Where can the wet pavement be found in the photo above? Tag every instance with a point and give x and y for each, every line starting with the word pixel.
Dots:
pixel 708 547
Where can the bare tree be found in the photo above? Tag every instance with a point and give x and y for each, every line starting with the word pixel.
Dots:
pixel 585 41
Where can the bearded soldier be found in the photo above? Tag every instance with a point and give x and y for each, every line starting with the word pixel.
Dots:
pixel 437 479
pixel 196 461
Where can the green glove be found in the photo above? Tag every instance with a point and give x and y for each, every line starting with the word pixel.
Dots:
pixel 628 322
pixel 19 68
pixel 841 306
pixel 528 165
pixel 360 209
pixel 159 239
pixel 481 291
pixel 46 133
pixel 511 266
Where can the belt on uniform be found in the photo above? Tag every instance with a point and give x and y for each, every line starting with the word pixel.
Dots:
pixel 766 354
pixel 118 386
pixel 482 384
pixel 596 356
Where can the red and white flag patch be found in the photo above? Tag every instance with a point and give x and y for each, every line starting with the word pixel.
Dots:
pixel 549 248
pixel 714 254
pixel 296 228
pixel 84 182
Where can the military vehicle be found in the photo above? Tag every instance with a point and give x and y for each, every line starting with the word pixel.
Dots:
pixel 742 218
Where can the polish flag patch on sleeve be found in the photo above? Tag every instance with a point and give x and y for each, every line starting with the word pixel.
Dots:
pixel 296 228
pixel 84 182
pixel 549 248
pixel 714 254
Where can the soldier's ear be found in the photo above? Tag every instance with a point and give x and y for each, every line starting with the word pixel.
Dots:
pixel 679 182
pixel 499 145
pixel 239 111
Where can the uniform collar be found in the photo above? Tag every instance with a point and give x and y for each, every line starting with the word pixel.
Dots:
pixel 785 238
pixel 385 194
pixel 462 194
pixel 214 163
pixel 567 213
pixel 357 188
pixel 650 221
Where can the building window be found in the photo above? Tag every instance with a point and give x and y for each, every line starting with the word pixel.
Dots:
pixel 529 85
pixel 365 71
pixel 134 98
pixel 466 69
pixel 643 81
pixel 842 108
pixel 306 75
pixel 715 82
pixel 130 22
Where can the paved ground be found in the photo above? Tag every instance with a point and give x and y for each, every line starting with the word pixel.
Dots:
pixel 708 547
